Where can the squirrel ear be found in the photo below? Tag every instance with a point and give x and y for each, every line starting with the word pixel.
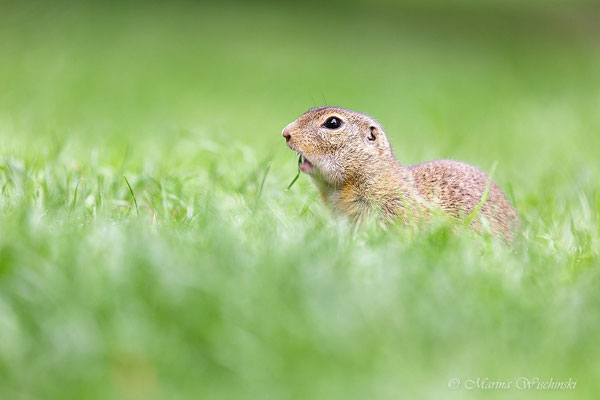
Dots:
pixel 373 133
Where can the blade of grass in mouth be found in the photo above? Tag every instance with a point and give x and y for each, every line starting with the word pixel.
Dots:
pixel 297 175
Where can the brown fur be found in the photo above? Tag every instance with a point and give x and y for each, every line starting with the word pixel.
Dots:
pixel 357 173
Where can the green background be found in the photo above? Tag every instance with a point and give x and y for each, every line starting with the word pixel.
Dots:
pixel 208 280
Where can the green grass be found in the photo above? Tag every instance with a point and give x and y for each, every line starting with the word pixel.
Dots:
pixel 149 248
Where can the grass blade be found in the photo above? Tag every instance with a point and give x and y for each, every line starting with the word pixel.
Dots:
pixel 137 211
pixel 484 196
pixel 260 188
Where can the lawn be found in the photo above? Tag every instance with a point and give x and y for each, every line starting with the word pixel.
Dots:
pixel 149 248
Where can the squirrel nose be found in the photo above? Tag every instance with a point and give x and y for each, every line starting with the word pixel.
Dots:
pixel 286 134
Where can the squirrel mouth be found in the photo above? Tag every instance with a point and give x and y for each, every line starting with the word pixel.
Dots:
pixel 304 165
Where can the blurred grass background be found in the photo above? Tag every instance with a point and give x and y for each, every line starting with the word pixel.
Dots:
pixel 215 282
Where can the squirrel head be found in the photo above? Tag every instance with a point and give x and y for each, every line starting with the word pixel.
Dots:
pixel 337 145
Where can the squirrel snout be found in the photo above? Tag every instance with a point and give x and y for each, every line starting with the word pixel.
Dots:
pixel 286 134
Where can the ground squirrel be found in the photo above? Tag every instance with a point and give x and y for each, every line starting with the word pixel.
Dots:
pixel 350 160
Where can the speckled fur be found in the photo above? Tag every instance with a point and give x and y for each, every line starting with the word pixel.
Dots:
pixel 358 176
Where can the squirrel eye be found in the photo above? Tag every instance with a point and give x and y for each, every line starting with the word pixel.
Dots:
pixel 332 123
